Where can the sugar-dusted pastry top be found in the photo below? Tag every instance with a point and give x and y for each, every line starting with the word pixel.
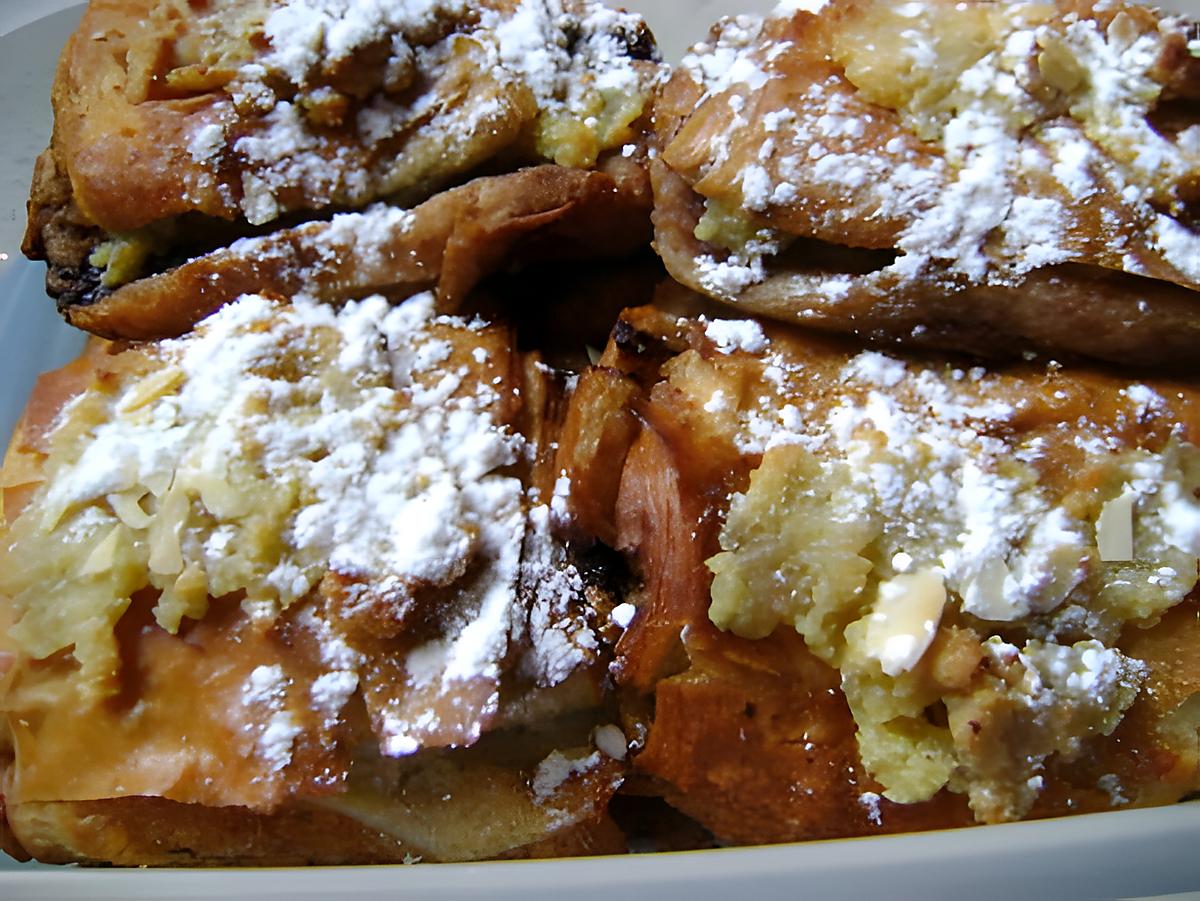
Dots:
pixel 893 168
pixel 293 534
pixel 921 505
pixel 993 562
pixel 331 557
pixel 251 110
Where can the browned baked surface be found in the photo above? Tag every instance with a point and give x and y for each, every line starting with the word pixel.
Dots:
pixel 180 127
pixel 753 736
pixel 164 108
pixel 448 243
pixel 140 832
pixel 862 593
pixel 978 177
pixel 157 832
pixel 216 725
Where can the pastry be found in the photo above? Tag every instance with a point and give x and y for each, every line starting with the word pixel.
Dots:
pixel 982 177
pixel 295 569
pixel 449 243
pixel 181 126
pixel 369 538
pixel 884 593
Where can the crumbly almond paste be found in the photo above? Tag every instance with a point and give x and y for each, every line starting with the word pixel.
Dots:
pixel 275 445
pixel 1035 116
pixel 906 530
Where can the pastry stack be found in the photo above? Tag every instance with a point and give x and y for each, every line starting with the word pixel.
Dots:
pixel 496 443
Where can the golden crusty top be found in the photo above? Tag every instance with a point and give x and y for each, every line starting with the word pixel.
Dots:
pixel 974 551
pixel 856 167
pixel 250 110
pixel 333 508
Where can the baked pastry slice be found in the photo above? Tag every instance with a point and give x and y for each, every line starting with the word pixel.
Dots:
pixel 180 126
pixel 296 573
pixel 448 243
pixel 978 176
pixel 884 593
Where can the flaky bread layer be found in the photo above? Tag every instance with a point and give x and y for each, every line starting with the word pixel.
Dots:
pixel 449 244
pixel 761 732
pixel 160 833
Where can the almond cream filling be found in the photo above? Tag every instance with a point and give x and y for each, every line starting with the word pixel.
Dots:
pixel 909 521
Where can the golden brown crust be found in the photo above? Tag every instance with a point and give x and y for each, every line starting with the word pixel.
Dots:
pixel 158 832
pixel 759 739
pixel 174 749
pixel 773 756
pixel 753 738
pixel 1069 309
pixel 139 832
pixel 181 127
pixel 447 243
pixel 106 138
pixel 827 198
pixel 139 81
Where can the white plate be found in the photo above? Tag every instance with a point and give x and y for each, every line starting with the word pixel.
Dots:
pixel 1138 853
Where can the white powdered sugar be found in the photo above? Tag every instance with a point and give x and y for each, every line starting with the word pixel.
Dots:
pixel 330 692
pixel 275 743
pixel 556 774
pixel 266 685
pixel 1005 192
pixel 927 459
pixel 370 435
pixel 921 454
pixel 622 615
pixel 207 141
pixel 1179 246
pixel 739 270
pixel 379 458
pixel 119 457
pixel 305 34
pixel 873 368
pixel 556 769
pixel 381 504
pixel 559 501
pixel 475 647
pixel 285 153
pixel 532 43
pixel 556 628
pixel 336 652
pixel 870 803
pixel 1081 682
pixel 983 152
pixel 923 476
pixel 1147 399
pixel 736 334
pixel 724 64
pixel 566 55
pixel 266 691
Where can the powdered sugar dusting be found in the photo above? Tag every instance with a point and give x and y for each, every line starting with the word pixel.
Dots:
pixel 736 334
pixel 926 479
pixel 266 690
pixel 306 139
pixel 275 745
pixel 870 802
pixel 724 64
pixel 330 692
pixel 367 441
pixel 556 769
pixel 1007 189
pixel 557 629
